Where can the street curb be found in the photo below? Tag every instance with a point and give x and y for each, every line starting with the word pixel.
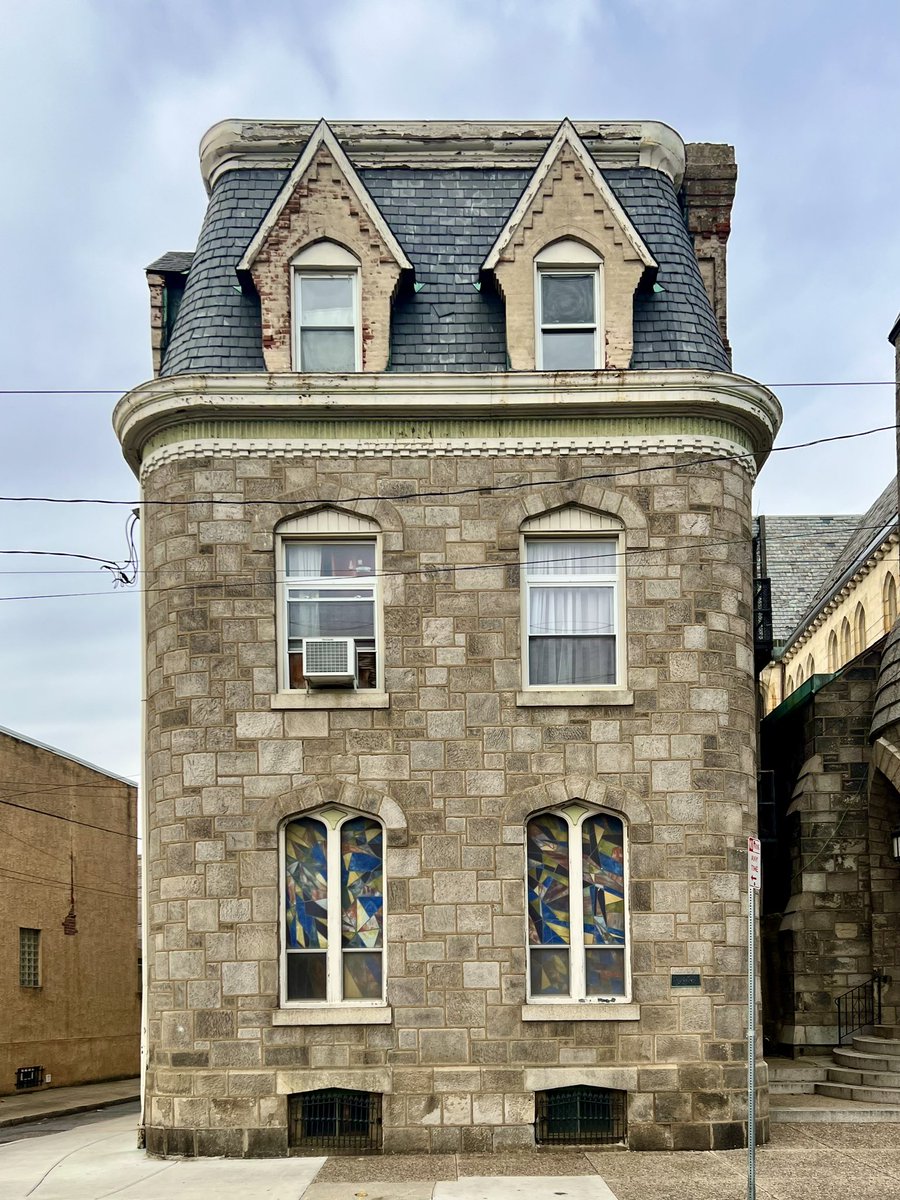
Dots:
pixel 66 1110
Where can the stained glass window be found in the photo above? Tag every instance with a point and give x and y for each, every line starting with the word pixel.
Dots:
pixel 334 935
pixel 572 954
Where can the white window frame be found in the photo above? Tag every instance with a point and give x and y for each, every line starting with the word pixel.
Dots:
pixel 332 818
pixel 38 972
pixel 326 526
pixel 330 261
pixel 569 257
pixel 577 972
pixel 593 526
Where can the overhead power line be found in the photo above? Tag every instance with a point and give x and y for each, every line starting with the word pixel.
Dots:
pixel 479 489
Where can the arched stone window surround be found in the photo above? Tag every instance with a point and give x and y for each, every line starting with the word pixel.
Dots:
pixel 584 494
pixel 272 814
pixel 810 666
pixel 846 641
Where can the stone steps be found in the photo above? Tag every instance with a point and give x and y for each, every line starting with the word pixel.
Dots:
pixel 866 1077
pixel 865 1094
pixel 867 1074
pixel 796 1076
pixel 802 1109
pixel 864 1062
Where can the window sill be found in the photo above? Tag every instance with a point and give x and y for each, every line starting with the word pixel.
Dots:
pixel 334 1014
pixel 572 697
pixel 325 699
pixel 588 1010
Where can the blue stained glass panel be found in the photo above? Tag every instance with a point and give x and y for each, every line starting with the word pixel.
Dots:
pixel 362 884
pixel 306 885
pixel 603 865
pixel 548 881
pixel 604 972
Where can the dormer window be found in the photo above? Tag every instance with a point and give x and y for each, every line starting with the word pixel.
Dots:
pixel 568 307
pixel 326 310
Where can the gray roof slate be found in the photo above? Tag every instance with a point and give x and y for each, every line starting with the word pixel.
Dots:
pixel 869 532
pixel 799 551
pixel 446 221
pixel 174 262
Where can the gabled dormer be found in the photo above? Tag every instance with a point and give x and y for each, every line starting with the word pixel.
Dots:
pixel 326 266
pixel 568 262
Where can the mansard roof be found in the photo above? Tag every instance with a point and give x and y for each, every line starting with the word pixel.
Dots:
pixel 447 217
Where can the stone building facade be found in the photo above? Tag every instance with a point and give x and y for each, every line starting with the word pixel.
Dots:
pixel 830 769
pixel 504 853
pixel 70 982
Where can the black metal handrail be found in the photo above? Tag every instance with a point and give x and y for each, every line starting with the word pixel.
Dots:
pixel 860 1006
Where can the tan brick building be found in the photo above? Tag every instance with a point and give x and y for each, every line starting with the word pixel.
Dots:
pixel 70 990
pixel 450 698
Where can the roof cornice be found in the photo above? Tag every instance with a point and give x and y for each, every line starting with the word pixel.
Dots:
pixel 162 403
pixel 235 144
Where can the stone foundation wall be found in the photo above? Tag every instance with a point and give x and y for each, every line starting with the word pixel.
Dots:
pixel 463 764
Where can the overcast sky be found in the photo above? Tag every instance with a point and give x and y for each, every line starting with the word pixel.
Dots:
pixel 104 103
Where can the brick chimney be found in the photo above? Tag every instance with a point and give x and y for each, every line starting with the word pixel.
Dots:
pixel 709 181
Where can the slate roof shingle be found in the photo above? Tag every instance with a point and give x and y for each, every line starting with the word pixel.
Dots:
pixel 799 551
pixel 446 221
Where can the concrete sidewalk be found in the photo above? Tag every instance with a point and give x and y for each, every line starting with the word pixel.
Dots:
pixel 803 1162
pixel 22 1107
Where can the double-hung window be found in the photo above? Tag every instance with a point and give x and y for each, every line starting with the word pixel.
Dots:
pixel 330 593
pixel 568 305
pixel 326 310
pixel 571 611
pixel 577 908
pixel 333 950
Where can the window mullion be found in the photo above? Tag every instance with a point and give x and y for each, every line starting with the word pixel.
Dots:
pixel 576 914
pixel 334 987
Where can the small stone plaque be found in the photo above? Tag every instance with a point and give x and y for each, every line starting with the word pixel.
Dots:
pixel 687 979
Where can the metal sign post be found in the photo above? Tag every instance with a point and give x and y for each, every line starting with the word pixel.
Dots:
pixel 754 868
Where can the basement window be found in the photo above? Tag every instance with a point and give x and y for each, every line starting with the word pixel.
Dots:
pixel 334 1121
pixel 580 1116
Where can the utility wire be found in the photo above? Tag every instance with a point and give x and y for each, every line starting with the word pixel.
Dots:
pixel 40 812
pixel 484 489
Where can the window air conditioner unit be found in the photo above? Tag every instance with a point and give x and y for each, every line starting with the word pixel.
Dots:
pixel 329 661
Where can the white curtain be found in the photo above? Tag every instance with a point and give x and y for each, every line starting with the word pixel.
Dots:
pixel 571 636
pixel 303 560
pixel 594 556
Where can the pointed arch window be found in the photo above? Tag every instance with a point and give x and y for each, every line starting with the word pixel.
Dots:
pixel 890 602
pixel 333 939
pixel 577 906
pixel 859 622
pixel 846 641
pixel 833 655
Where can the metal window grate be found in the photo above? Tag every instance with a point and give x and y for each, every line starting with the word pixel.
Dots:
pixel 337 1120
pixel 29 1077
pixel 580 1116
